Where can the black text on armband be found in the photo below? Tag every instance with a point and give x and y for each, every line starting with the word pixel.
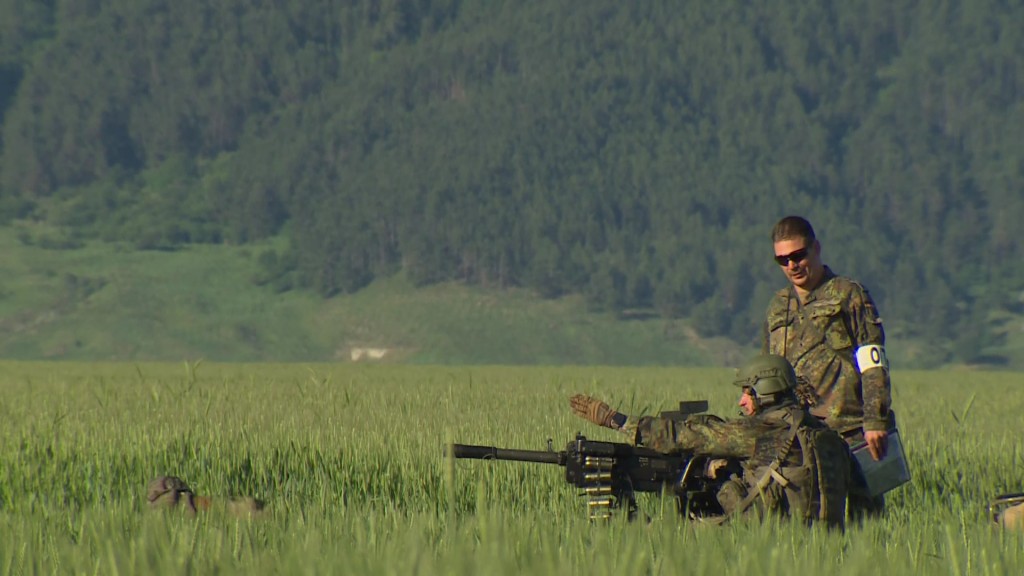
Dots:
pixel 871 356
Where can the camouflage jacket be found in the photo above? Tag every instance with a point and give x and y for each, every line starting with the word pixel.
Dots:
pixel 820 337
pixel 786 443
pixel 757 439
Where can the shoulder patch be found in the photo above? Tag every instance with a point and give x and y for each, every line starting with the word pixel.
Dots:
pixel 844 284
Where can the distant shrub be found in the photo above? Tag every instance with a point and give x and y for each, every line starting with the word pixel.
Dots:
pixel 275 271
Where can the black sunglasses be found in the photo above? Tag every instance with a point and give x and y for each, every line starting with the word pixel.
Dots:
pixel 795 257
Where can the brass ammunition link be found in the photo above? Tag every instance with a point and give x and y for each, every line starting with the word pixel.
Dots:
pixel 599 490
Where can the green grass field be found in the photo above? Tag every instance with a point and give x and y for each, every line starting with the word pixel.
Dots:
pixel 349 458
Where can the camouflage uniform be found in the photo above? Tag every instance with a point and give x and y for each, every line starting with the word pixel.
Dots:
pixel 758 441
pixel 820 337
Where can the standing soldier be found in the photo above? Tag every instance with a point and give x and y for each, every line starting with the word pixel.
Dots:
pixel 828 327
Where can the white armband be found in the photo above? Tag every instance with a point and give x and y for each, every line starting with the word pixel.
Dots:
pixel 871 356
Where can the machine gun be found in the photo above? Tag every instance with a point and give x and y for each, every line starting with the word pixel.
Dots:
pixel 610 473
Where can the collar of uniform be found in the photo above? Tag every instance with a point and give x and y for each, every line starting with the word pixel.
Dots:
pixel 783 412
pixel 813 294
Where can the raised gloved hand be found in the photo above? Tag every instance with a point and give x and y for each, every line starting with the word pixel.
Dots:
pixel 593 410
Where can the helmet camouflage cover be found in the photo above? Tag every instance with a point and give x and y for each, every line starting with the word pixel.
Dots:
pixel 767 374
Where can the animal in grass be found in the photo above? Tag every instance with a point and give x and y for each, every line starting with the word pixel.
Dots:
pixel 793 464
pixel 1008 511
pixel 1013 517
pixel 172 493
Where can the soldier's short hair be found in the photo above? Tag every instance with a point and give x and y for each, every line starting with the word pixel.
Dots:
pixel 792 227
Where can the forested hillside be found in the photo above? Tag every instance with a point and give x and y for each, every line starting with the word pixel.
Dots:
pixel 635 152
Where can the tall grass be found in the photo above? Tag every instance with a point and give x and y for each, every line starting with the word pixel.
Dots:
pixel 350 460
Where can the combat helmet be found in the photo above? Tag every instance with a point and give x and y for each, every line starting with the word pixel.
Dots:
pixel 769 375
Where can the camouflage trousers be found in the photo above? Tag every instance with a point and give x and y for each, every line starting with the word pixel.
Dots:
pixel 860 504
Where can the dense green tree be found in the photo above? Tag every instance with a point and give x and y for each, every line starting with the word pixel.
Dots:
pixel 636 153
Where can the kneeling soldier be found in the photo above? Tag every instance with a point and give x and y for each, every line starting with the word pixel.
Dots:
pixel 792 463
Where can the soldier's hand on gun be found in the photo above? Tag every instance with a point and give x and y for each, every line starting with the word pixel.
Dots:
pixel 716 465
pixel 593 410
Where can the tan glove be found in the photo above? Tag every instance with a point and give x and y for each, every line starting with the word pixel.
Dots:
pixel 593 410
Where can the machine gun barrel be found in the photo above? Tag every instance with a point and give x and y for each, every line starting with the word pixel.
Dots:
pixel 494 453
pixel 610 473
